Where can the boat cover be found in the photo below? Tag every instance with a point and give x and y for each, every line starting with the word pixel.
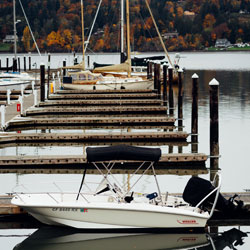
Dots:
pixel 123 67
pixel 142 61
pixel 123 152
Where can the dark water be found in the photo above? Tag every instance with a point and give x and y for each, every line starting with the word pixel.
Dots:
pixel 234 123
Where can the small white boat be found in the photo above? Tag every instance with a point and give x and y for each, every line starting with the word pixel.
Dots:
pixel 13 84
pixel 24 76
pixel 111 205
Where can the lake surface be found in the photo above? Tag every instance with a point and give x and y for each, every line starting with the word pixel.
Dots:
pixel 232 70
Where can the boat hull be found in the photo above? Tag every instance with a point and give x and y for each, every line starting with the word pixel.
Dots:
pixel 113 215
pixel 104 86
pixel 13 84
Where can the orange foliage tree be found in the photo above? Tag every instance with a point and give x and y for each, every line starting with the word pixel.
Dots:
pixel 26 39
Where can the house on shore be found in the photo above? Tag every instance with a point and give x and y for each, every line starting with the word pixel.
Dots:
pixel 222 43
pixel 9 39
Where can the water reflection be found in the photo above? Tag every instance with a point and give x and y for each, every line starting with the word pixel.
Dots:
pixel 52 238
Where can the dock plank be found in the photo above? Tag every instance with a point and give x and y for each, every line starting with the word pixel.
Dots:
pixel 114 136
pixel 101 102
pixel 97 110
pixel 104 96
pixel 181 164
pixel 93 121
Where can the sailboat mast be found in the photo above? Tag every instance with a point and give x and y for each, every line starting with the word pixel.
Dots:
pixel 14 21
pixel 128 38
pixel 83 53
pixel 157 30
pixel 122 31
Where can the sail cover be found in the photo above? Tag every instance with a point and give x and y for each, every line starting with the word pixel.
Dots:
pixel 123 152
pixel 123 67
pixel 77 66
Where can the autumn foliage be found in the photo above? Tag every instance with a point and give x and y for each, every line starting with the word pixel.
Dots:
pixel 56 24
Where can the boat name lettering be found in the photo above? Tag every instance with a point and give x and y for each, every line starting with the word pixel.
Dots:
pixel 68 209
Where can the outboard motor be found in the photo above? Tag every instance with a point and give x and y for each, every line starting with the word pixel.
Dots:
pixel 197 188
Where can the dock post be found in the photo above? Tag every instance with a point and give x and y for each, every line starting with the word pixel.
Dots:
pixel 8 96
pixel 180 100
pixel 214 126
pixel 155 76
pixel 7 64
pixel 20 100
pixel 49 56
pixel 54 83
pixel 42 79
pixel 14 65
pixel 35 97
pixel 170 90
pixel 22 90
pixel 24 63
pixel 149 70
pixel 59 80
pixel 46 92
pixel 194 119
pixel 29 61
pixel 87 60
pixel 2 116
pixel 165 68
pixel 19 64
pixel 33 86
pixel 158 80
pixel 64 65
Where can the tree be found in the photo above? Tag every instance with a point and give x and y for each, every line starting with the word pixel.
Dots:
pixel 26 39
pixel 209 21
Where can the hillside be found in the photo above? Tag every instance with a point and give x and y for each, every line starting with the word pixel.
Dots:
pixel 187 25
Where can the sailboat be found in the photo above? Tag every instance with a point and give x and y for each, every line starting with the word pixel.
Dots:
pixel 99 79
pixel 13 80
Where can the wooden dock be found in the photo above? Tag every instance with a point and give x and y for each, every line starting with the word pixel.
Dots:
pixel 180 164
pixel 86 114
pixel 123 109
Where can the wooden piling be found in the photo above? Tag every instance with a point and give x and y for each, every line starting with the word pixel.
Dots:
pixel 194 119
pixel 29 62
pixel 24 63
pixel 7 64
pixel 164 96
pixel 155 76
pixel 42 79
pixel 214 126
pixel 48 73
pixel 158 80
pixel 149 70
pixel 64 65
pixel 19 64
pixel 170 93
pixel 14 65
pixel 180 100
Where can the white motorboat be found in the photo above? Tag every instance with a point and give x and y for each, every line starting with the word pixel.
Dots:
pixel 13 84
pixel 24 76
pixel 111 205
